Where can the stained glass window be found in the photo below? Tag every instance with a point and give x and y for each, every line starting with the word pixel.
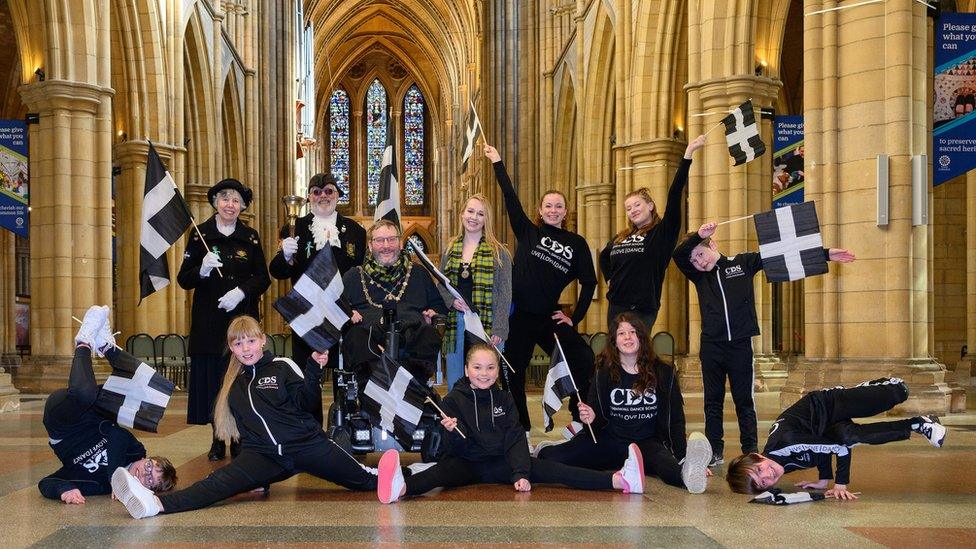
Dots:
pixel 414 241
pixel 339 140
pixel 376 121
pixel 413 146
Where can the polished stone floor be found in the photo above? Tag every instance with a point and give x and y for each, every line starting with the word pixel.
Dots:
pixel 912 495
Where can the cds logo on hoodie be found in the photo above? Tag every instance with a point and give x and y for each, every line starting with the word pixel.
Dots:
pixel 268 382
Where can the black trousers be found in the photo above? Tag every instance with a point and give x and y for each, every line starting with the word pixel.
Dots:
pixel 732 360
pixel 526 330
pixel 610 452
pixel 65 408
pixel 866 400
pixel 252 469
pixel 419 346
pixel 452 472
pixel 648 317
pixel 206 376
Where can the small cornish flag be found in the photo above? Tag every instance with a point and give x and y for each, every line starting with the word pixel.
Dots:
pixel 474 330
pixel 315 308
pixel 134 395
pixel 790 243
pixel 394 399
pixel 388 205
pixel 559 385
pixel 742 134
pixel 165 217
pixel 471 130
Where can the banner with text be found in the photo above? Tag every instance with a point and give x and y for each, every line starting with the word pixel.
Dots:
pixel 13 176
pixel 954 127
pixel 787 160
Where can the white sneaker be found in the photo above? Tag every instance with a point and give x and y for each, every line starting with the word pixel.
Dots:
pixel 95 317
pixel 104 338
pixel 140 501
pixel 391 482
pixel 544 444
pixel 930 428
pixel 420 467
pixel 695 465
pixel 571 429
pixel 633 471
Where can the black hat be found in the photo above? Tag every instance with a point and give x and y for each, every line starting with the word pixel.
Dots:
pixel 323 179
pixel 232 184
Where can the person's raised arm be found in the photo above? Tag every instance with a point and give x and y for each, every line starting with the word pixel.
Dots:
pixel 190 275
pixel 671 220
pixel 516 214
pixel 682 253
pixel 303 382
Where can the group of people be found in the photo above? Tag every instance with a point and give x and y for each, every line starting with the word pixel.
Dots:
pixel 269 409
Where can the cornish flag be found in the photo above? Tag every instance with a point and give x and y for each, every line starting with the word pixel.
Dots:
pixel 134 395
pixel 742 134
pixel 789 242
pixel 559 385
pixel 165 217
pixel 474 330
pixel 471 130
pixel 394 399
pixel 315 308
pixel 388 206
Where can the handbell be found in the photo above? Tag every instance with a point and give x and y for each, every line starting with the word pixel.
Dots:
pixel 293 207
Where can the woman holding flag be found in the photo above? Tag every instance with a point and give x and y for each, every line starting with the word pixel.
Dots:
pixel 548 257
pixel 480 269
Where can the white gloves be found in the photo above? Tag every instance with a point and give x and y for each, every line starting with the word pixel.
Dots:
pixel 210 262
pixel 231 300
pixel 289 247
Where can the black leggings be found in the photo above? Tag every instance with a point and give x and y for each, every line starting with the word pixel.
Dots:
pixel 252 469
pixel 452 472
pixel 610 452
pixel 866 400
pixel 526 330
pixel 66 407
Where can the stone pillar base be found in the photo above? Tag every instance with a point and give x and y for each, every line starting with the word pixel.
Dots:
pixel 9 395
pixel 689 373
pixel 770 373
pixel 928 391
pixel 44 374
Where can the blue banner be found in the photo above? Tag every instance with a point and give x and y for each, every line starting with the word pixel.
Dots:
pixel 954 126
pixel 787 160
pixel 13 176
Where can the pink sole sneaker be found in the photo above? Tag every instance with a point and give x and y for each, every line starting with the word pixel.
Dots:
pixel 389 469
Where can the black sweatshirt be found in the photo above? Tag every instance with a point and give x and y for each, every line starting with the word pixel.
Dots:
pixel 271 403
pixel 635 267
pixel 95 449
pixel 659 413
pixel 796 440
pixel 725 294
pixel 546 259
pixel 490 422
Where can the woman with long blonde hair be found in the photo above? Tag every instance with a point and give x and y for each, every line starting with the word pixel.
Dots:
pixel 265 402
pixel 635 260
pixel 480 268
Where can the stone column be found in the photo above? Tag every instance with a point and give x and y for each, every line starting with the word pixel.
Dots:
pixel 966 367
pixel 595 220
pixel 9 396
pixel 71 220
pixel 871 318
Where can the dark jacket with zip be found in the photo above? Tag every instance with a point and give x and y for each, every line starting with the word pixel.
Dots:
pixel 669 420
pixel 271 403
pixel 490 422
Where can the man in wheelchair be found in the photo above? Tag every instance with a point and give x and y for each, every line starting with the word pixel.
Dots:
pixel 387 288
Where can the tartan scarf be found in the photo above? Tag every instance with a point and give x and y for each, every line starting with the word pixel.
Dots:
pixel 483 277
pixel 387 276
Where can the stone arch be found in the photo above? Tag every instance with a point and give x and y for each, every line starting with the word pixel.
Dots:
pixel 565 164
pixel 232 129
pixel 659 73
pixel 198 115
pixel 140 108
pixel 598 106
pixel 425 235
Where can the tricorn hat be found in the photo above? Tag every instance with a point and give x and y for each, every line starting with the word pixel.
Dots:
pixel 232 184
pixel 323 179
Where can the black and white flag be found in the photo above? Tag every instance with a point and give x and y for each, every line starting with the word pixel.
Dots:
pixel 394 400
pixel 471 130
pixel 474 330
pixel 165 217
pixel 315 308
pixel 559 385
pixel 776 497
pixel 135 395
pixel 742 134
pixel 790 243
pixel 388 198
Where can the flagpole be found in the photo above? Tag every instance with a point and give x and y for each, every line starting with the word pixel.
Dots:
pixel 574 383
pixel 456 428
pixel 734 220
pixel 502 355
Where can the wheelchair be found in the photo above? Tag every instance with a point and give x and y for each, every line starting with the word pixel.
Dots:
pixel 352 428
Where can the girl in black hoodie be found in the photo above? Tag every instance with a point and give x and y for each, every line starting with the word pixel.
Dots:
pixel 265 403
pixel 635 400
pixel 493 448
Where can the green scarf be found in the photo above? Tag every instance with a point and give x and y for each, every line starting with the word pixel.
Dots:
pixel 387 276
pixel 483 277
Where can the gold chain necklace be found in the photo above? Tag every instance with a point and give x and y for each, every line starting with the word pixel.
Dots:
pixel 389 293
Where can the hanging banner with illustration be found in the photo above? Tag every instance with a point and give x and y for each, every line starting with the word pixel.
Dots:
pixel 787 160
pixel 954 120
pixel 13 176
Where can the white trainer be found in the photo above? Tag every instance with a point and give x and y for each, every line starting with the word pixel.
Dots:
pixel 95 317
pixel 104 338
pixel 633 471
pixel 390 482
pixel 140 501
pixel 930 428
pixel 695 466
